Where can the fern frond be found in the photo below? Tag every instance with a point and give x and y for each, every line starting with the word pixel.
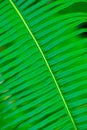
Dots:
pixel 43 59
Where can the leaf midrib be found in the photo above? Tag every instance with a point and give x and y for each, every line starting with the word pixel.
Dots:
pixel 49 68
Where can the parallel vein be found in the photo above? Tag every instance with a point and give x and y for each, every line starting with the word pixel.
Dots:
pixel 36 42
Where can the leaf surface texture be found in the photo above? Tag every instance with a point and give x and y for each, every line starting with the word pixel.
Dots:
pixel 43 65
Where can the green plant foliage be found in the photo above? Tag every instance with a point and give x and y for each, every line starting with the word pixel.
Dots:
pixel 43 65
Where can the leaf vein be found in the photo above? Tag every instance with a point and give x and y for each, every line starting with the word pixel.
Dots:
pixel 49 68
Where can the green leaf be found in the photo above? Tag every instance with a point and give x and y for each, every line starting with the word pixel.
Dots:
pixel 43 65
